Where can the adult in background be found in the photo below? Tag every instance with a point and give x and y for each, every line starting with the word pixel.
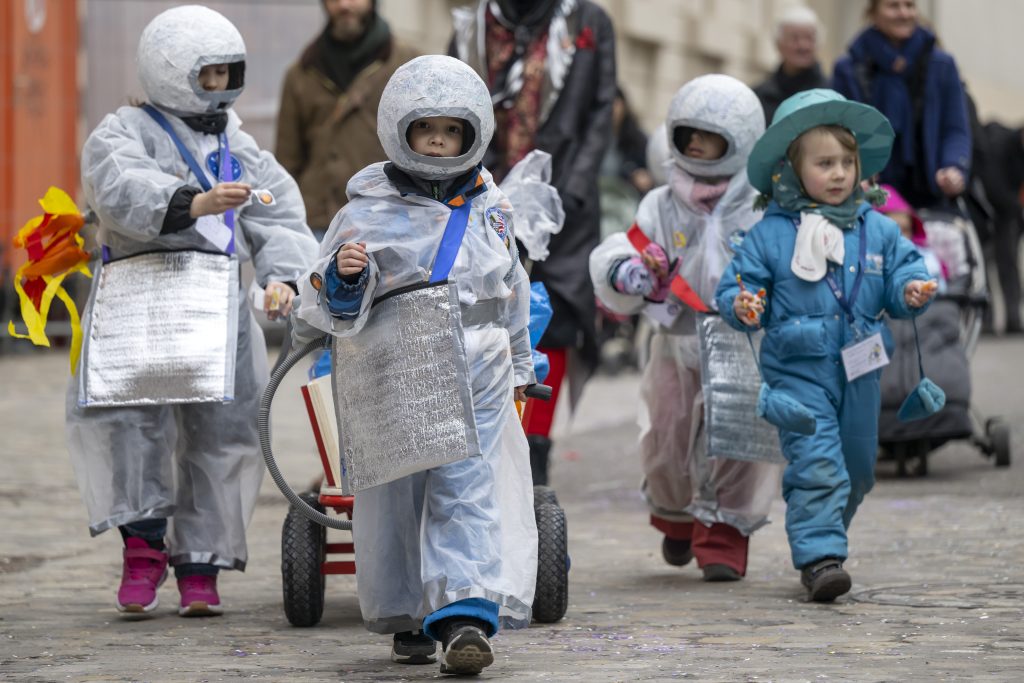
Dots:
pixel 327 125
pixel 550 67
pixel 796 39
pixel 1002 175
pixel 896 66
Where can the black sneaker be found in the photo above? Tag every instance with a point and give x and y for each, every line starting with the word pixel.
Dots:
pixel 413 647
pixel 720 572
pixel 466 649
pixel 825 580
pixel 676 552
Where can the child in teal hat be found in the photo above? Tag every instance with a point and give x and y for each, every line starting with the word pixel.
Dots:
pixel 816 273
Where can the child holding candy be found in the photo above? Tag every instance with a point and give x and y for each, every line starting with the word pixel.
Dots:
pixel 668 265
pixel 824 266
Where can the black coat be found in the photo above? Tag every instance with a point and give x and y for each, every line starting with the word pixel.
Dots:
pixel 779 87
pixel 576 134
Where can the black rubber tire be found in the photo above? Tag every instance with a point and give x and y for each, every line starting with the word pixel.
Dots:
pixel 552 596
pixel 544 495
pixel 999 433
pixel 303 551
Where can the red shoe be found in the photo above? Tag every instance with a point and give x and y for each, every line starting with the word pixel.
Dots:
pixel 721 550
pixel 143 571
pixel 199 596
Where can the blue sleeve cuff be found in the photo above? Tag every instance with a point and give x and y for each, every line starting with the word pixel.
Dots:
pixel 344 299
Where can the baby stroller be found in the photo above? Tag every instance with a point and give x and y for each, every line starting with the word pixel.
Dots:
pixel 948 333
pixel 306 555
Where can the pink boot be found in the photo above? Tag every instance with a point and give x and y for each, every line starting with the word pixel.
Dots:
pixel 143 571
pixel 199 596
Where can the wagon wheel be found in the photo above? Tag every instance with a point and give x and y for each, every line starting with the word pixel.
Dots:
pixel 544 495
pixel 552 595
pixel 303 551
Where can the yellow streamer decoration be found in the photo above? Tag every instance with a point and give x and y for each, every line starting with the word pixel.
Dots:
pixel 55 250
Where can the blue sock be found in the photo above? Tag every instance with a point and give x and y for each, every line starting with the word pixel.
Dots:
pixel 476 609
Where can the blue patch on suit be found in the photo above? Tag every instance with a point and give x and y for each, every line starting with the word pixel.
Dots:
pixel 498 222
pixel 213 164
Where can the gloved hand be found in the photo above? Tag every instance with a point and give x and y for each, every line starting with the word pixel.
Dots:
pixel 632 277
pixel 662 271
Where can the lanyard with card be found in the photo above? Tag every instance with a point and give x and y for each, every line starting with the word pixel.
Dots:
pixel 865 353
pixel 219 231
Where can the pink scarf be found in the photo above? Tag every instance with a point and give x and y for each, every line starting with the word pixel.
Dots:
pixel 698 195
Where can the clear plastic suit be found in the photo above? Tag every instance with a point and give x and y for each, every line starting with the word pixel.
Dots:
pixel 681 483
pixel 465 529
pixel 199 463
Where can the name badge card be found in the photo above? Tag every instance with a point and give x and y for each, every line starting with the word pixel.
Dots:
pixel 864 356
pixel 665 313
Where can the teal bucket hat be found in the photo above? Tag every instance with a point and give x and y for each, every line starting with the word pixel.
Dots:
pixel 820 107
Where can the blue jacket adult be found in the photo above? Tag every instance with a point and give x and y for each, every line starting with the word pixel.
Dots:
pixel 830 471
pixel 924 102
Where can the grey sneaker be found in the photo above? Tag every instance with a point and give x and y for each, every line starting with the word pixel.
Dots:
pixel 467 651
pixel 825 580
pixel 413 647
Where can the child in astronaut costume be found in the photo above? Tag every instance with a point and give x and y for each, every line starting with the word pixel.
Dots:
pixel 707 508
pixel 188 473
pixel 452 550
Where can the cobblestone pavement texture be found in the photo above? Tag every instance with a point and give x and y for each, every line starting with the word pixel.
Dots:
pixel 936 561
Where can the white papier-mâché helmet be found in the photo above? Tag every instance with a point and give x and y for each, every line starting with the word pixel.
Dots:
pixel 720 104
pixel 435 85
pixel 175 45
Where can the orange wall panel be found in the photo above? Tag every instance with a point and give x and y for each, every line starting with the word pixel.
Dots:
pixel 38 110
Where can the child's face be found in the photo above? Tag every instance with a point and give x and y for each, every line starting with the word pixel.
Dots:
pixel 436 136
pixel 705 145
pixel 827 170
pixel 214 77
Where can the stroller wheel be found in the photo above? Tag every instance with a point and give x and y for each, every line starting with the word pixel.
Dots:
pixel 303 551
pixel 551 599
pixel 999 435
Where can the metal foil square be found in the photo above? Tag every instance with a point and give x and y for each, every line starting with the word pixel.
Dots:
pixel 162 328
pixel 402 389
pixel 731 383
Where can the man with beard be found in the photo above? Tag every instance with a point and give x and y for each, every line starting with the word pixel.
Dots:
pixel 550 67
pixel 327 125
pixel 796 38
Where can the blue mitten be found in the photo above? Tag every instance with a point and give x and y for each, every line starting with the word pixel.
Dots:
pixel 630 276
pixel 926 399
pixel 785 412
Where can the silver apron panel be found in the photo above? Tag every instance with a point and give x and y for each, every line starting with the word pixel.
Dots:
pixel 162 328
pixel 402 389
pixel 731 382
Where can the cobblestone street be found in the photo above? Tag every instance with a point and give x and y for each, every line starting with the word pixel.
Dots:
pixel 936 562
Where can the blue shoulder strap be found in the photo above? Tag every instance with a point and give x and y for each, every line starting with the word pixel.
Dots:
pixel 451 241
pixel 196 169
